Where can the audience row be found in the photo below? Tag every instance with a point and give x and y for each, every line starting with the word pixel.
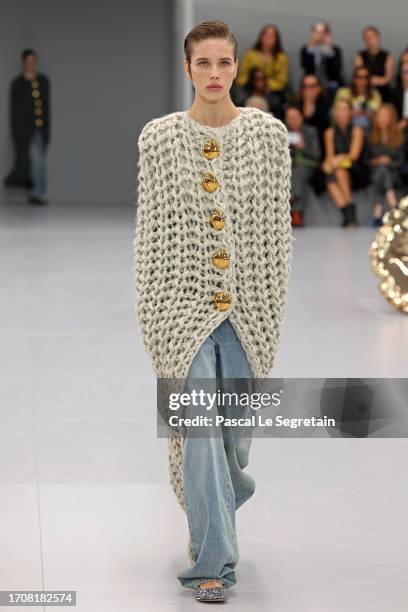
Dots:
pixel 342 137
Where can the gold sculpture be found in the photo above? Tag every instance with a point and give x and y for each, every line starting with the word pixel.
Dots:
pixel 389 256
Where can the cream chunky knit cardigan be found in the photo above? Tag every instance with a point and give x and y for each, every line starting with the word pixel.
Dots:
pixel 176 277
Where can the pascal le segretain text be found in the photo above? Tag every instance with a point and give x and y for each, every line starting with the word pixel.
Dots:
pixel 255 420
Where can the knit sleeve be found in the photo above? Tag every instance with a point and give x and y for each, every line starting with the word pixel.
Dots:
pixel 143 249
pixel 283 227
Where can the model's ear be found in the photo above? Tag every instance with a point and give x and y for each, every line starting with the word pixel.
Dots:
pixel 187 68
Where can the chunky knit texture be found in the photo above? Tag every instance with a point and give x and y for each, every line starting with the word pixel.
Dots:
pixel 174 241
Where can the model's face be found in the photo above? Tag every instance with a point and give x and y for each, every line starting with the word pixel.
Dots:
pixel 30 63
pixel 212 68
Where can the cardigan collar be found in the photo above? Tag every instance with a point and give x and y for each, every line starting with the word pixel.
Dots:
pixel 222 131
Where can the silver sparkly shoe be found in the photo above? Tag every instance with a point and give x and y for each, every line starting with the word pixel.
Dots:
pixel 211 594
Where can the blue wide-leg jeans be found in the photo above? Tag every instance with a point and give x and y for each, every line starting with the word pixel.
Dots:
pixel 214 480
pixel 37 164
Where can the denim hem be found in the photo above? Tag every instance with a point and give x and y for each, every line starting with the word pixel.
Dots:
pixel 192 584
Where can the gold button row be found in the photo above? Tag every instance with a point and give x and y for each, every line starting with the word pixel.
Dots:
pixel 211 149
pixel 222 300
pixel 210 182
pixel 217 219
pixel 220 259
pixel 37 103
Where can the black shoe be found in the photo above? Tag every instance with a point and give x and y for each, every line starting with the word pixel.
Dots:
pixel 352 213
pixel 38 200
pixel 349 215
pixel 344 213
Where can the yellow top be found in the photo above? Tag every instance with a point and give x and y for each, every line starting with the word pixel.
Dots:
pixel 344 93
pixel 275 68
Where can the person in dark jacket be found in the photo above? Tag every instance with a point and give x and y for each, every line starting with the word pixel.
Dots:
pixel 315 107
pixel 323 59
pixel 30 128
pixel 305 152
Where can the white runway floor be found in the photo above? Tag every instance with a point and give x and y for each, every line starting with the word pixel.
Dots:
pixel 85 499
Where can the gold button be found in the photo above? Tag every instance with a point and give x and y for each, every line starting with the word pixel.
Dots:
pixel 222 300
pixel 38 111
pixel 38 122
pixel 217 219
pixel 221 259
pixel 38 102
pixel 211 149
pixel 35 84
pixel 35 93
pixel 210 182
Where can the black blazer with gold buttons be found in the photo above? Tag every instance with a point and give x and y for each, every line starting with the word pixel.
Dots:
pixel 29 109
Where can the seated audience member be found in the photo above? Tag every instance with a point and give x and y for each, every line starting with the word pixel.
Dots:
pixel 377 60
pixel 385 157
pixel 344 147
pixel 305 153
pixel 400 96
pixel 400 101
pixel 403 58
pixel 268 55
pixel 364 98
pixel 313 103
pixel 314 106
pixel 322 58
pixel 256 87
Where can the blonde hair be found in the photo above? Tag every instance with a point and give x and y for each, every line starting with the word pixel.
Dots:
pixel 395 137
